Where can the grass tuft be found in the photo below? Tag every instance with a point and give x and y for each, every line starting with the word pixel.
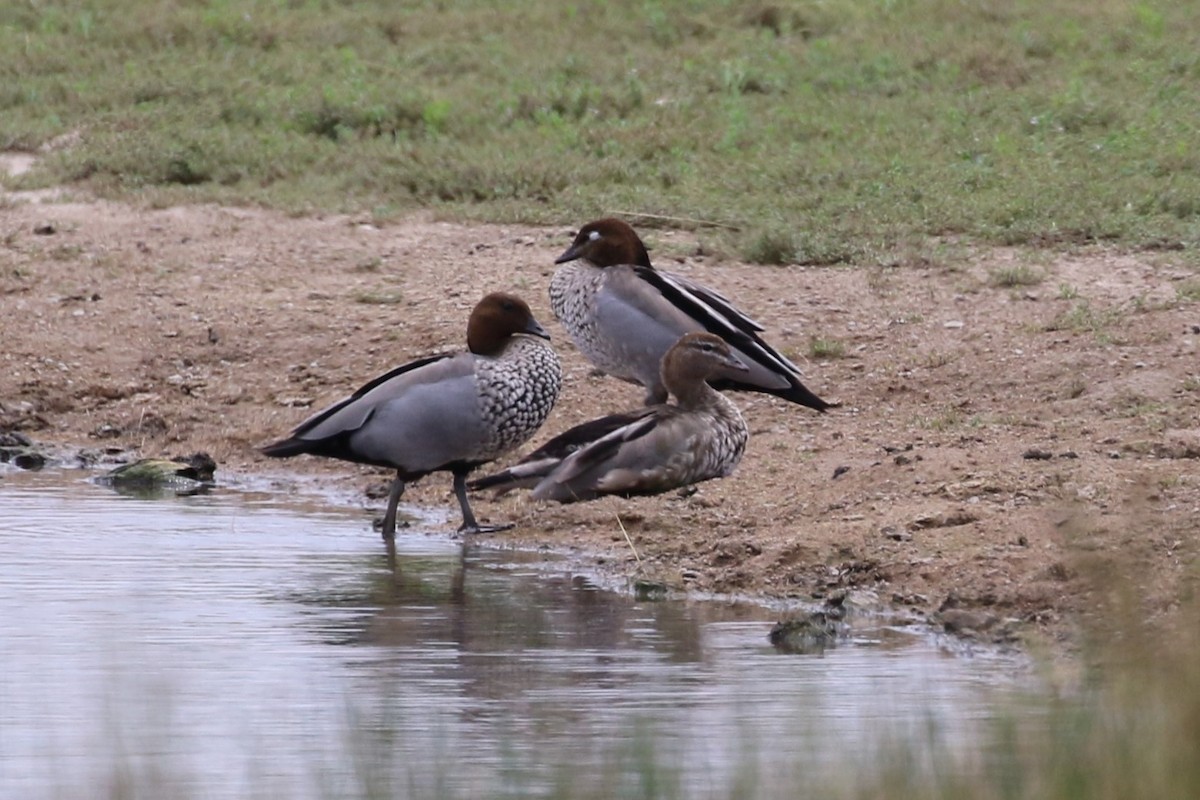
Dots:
pixel 379 298
pixel 1015 276
pixel 1082 318
pixel 822 348
pixel 1188 291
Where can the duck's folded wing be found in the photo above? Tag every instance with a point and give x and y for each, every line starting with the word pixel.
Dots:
pixel 770 370
pixel 711 310
pixel 652 455
pixel 643 321
pixel 350 412
pixel 717 302
pixel 532 468
pixel 419 415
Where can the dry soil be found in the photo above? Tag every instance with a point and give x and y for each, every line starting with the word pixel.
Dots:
pixel 1002 455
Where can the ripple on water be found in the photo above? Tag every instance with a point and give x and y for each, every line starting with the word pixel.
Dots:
pixel 221 646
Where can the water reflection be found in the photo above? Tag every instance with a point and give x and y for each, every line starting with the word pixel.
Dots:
pixel 222 646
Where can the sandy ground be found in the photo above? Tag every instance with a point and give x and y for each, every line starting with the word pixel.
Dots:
pixel 999 460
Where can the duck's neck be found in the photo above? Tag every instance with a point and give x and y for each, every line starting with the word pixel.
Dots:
pixel 693 394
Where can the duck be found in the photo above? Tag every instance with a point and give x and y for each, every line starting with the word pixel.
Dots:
pixel 451 412
pixel 623 315
pixel 648 450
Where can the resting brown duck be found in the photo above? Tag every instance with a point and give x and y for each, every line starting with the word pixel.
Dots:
pixel 623 314
pixel 449 412
pixel 649 450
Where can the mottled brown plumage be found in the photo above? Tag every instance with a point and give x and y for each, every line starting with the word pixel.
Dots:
pixel 650 450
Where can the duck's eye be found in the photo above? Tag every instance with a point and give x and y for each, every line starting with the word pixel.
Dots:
pixel 594 236
pixel 707 347
pixel 508 305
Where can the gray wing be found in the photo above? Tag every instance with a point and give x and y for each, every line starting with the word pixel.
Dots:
pixel 770 371
pixel 653 455
pixel 415 419
pixel 641 322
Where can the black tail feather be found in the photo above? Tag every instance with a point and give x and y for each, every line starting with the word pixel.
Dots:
pixel 795 392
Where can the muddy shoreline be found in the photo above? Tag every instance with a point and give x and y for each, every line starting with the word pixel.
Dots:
pixel 997 446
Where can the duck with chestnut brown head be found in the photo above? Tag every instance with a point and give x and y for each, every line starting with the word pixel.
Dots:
pixel 445 413
pixel 623 315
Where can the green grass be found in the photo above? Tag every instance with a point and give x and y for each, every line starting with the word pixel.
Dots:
pixel 823 348
pixel 825 132
pixel 1067 292
pixel 1015 276
pixel 1189 290
pixel 1083 318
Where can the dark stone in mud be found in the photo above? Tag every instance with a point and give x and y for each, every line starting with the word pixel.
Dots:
pixel 90 457
pixel 18 449
pixel 15 439
pixel 378 491
pixel 30 460
pixel 840 471
pixel 1034 454
pixel 914 599
pixel 947 520
pixel 105 431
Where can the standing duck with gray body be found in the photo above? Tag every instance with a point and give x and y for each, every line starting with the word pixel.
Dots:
pixel 446 413
pixel 650 450
pixel 623 314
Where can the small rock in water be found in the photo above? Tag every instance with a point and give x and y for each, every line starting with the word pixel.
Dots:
pixel 809 634
pixel 18 449
pixel 646 590
pixel 154 476
pixel 30 460
pixel 812 632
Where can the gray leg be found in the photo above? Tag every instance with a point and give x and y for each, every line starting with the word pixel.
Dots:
pixel 469 525
pixel 389 517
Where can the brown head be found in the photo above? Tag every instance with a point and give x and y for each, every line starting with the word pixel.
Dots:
pixel 607 242
pixel 696 358
pixel 496 318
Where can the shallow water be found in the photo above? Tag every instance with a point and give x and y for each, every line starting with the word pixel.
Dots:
pixel 229 646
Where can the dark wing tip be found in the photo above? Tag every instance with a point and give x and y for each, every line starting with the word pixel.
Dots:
pixel 796 393
pixel 285 448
